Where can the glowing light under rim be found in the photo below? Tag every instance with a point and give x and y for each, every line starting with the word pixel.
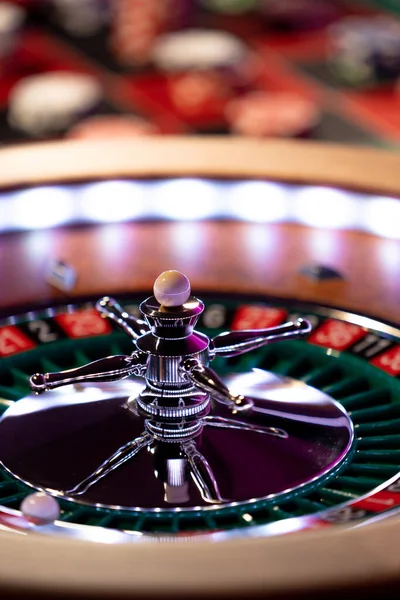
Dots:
pixel 185 200
pixel 381 216
pixel 111 201
pixel 326 207
pixel 36 208
pixel 188 199
pixel 258 201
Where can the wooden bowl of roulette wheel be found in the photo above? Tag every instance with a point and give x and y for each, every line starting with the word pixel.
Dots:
pixel 268 233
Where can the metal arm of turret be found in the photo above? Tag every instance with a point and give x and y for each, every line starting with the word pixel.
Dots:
pixel 233 343
pixel 110 368
pixel 111 309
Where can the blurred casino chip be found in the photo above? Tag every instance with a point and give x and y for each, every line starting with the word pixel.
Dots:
pixel 363 50
pixel 12 18
pixel 273 114
pixel 81 17
pixel 205 50
pixel 198 93
pixel 50 103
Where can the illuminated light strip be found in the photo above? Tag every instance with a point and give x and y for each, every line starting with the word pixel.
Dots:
pixel 326 208
pixel 184 199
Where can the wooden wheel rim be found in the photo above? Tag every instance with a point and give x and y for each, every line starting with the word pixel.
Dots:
pixel 287 564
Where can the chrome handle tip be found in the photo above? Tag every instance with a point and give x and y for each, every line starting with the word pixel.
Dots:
pixel 105 303
pixel 242 404
pixel 304 326
pixel 38 383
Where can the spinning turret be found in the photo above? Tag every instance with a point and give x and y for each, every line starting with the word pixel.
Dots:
pixel 187 438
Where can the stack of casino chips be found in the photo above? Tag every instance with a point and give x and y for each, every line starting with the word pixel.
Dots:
pixel 364 50
pixel 136 25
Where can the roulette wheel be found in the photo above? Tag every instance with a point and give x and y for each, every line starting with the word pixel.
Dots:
pixel 293 489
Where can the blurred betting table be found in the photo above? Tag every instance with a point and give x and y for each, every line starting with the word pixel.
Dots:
pixel 159 97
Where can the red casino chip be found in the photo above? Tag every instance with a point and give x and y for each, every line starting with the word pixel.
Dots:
pixel 112 126
pixel 198 93
pixel 266 114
